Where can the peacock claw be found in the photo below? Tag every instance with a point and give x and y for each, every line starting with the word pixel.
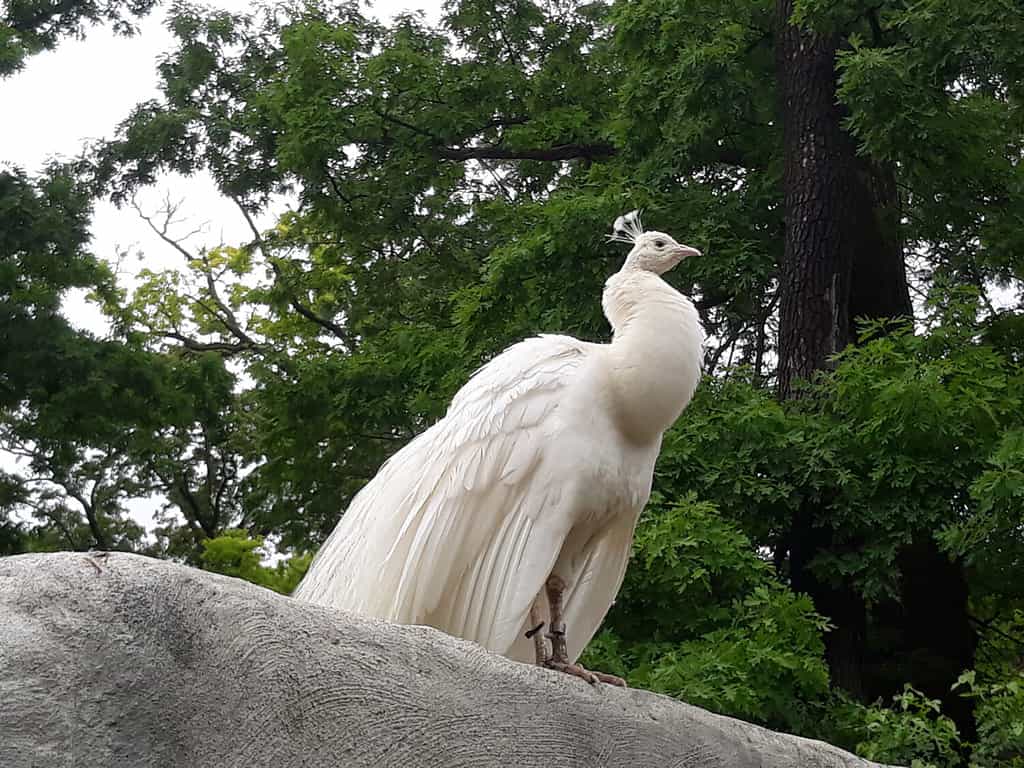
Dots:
pixel 604 677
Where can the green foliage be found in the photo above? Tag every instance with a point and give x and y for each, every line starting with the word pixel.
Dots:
pixel 997 685
pixel 1001 722
pixel 702 616
pixel 914 422
pixel 938 89
pixel 991 538
pixel 913 732
pixel 12 538
pixel 234 553
pixel 900 436
pixel 96 422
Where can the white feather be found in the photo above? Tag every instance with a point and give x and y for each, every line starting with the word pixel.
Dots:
pixel 541 465
pixel 627 228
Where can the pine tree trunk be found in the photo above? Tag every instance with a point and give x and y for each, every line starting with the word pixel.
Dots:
pixel 843 257
pixel 846 644
pixel 843 260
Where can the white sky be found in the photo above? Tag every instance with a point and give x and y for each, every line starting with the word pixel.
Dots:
pixel 82 91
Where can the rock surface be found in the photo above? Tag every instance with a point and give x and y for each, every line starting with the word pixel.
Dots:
pixel 128 661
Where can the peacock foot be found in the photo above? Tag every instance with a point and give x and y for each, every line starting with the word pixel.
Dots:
pixel 559 658
pixel 577 670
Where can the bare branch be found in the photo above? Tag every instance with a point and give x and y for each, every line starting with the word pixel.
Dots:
pixel 223 313
pixel 161 231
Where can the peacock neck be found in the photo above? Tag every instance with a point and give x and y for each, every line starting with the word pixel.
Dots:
pixel 656 354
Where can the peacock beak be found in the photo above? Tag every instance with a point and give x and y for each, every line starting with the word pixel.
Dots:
pixel 685 252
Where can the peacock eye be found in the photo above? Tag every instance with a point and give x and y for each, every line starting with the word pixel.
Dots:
pixel 659 243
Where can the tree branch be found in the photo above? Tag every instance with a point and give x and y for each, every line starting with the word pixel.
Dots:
pixel 729 343
pixel 161 231
pixel 408 126
pixel 206 346
pixel 293 301
pixel 329 325
pixel 226 316
pixel 181 484
pixel 223 314
pixel 229 471
pixel 90 514
pixel 989 626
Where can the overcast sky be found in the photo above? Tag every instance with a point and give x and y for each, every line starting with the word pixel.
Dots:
pixel 82 91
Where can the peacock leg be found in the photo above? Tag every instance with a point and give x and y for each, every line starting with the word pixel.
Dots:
pixel 559 658
pixel 540 645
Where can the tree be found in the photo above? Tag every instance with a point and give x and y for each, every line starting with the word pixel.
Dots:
pixel 842 253
pixel 95 422
pixel 49 422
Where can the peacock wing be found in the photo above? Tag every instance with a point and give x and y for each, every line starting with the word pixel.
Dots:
pixel 460 528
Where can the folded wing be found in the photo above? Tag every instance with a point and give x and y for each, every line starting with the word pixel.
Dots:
pixel 461 527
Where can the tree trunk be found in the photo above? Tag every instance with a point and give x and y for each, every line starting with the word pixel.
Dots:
pixel 843 256
pixel 820 186
pixel 843 261
pixel 846 644
pixel 938 639
pixel 878 280
pixel 818 174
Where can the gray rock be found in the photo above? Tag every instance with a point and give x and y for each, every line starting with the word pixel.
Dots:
pixel 128 661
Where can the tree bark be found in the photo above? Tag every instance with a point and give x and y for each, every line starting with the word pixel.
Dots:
pixel 843 254
pixel 818 173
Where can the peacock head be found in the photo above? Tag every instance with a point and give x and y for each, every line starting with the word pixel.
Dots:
pixel 652 251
